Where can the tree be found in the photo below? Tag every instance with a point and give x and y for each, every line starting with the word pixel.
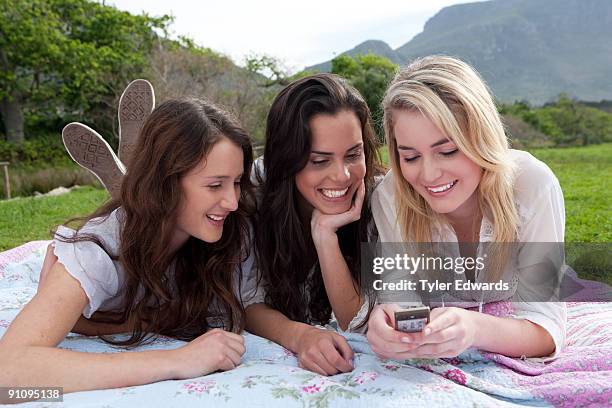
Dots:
pixel 371 75
pixel 183 69
pixel 270 69
pixel 67 55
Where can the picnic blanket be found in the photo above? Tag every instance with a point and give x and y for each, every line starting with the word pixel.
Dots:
pixel 269 375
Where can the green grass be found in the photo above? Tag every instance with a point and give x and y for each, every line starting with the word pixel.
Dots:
pixel 32 218
pixel 584 173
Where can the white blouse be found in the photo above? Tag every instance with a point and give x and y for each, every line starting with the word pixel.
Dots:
pixel 540 207
pixel 100 277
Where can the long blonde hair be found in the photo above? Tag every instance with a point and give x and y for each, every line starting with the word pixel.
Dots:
pixel 454 97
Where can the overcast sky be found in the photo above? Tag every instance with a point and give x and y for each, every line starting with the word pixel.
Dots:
pixel 300 33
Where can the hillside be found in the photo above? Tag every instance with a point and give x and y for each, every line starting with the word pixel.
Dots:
pixel 525 49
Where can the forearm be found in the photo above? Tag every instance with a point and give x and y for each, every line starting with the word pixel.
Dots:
pixel 271 324
pixel 511 337
pixel 29 356
pixel 92 328
pixel 341 289
pixel 79 371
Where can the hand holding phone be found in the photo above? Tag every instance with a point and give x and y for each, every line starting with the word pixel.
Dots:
pixel 412 320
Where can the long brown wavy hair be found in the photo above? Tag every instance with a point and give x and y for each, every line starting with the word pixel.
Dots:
pixel 175 138
pixel 284 249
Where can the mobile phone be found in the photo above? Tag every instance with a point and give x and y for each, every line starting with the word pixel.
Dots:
pixel 412 320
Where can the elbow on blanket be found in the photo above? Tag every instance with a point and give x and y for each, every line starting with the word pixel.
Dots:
pixel 549 345
pixel 546 346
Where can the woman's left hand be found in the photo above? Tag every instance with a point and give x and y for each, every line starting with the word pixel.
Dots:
pixel 326 225
pixel 450 332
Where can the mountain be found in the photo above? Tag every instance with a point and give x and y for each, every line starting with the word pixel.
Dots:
pixel 367 47
pixel 525 49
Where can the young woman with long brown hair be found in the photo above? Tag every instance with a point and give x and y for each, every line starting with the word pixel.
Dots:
pixel 164 258
pixel 315 179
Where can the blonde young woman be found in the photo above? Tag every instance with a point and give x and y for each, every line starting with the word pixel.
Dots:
pixel 454 179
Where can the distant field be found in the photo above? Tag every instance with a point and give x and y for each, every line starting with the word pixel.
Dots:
pixel 585 174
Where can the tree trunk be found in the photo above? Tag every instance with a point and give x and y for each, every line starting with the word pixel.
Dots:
pixel 12 116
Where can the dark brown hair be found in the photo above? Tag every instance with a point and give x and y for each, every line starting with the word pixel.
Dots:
pixel 284 248
pixel 175 138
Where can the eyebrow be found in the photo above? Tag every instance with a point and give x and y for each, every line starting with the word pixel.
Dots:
pixel 222 177
pixel 331 154
pixel 438 143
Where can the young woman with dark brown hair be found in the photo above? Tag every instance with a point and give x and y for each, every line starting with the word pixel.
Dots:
pixel 164 258
pixel 315 178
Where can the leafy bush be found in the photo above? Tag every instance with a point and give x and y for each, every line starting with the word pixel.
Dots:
pixel 566 121
pixel 523 135
pixel 47 149
pixel 371 75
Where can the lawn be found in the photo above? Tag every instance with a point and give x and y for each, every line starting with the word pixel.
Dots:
pixel 32 218
pixel 584 173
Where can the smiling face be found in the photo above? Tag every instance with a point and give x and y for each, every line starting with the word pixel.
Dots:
pixel 434 167
pixel 336 165
pixel 211 191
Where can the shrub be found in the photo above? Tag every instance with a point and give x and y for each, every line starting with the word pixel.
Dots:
pixel 47 149
pixel 26 180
